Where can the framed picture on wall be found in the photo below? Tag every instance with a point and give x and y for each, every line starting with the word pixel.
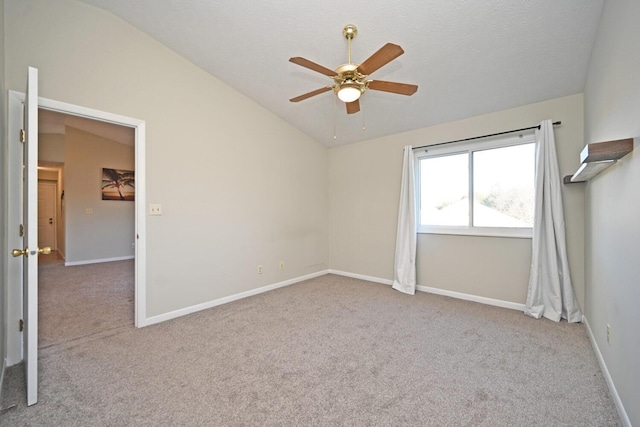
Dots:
pixel 118 184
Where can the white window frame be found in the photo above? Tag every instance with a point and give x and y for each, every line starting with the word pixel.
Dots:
pixel 470 147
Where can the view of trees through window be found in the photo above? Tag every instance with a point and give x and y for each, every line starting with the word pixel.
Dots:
pixel 501 188
pixel 503 180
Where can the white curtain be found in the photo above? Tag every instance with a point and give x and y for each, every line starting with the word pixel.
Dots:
pixel 404 273
pixel 550 291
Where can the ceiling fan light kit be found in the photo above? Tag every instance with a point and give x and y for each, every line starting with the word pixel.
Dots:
pixel 350 80
pixel 349 92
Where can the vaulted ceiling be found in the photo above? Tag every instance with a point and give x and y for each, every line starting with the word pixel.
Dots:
pixel 467 57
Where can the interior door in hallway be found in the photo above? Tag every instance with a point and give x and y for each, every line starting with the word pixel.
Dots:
pixel 47 215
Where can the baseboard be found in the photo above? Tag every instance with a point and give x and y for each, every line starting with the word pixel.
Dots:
pixel 624 418
pixel 4 367
pixel 98 261
pixel 474 298
pixel 437 291
pixel 362 277
pixel 210 304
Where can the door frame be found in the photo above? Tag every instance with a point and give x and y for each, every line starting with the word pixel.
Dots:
pixel 14 271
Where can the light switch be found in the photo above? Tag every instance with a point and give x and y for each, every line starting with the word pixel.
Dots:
pixel 155 209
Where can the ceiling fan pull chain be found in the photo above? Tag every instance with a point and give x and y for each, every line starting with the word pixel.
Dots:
pixel 363 128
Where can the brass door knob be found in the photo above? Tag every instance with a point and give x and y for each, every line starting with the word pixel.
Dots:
pixel 44 251
pixel 18 252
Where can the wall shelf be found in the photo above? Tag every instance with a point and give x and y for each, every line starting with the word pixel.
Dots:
pixel 598 156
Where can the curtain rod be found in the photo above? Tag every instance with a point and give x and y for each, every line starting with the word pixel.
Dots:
pixel 484 136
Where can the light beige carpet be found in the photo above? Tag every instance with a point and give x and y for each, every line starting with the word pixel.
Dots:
pixel 328 351
pixel 83 300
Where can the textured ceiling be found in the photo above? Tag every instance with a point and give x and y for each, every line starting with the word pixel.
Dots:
pixel 467 57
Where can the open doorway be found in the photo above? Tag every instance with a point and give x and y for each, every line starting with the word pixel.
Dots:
pixel 86 284
pixel 15 290
pixel 74 153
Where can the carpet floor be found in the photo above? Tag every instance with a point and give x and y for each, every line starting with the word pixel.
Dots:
pixel 327 351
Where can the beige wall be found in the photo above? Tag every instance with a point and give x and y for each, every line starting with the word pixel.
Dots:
pixel 51 148
pixel 238 186
pixel 47 175
pixel 612 111
pixel 365 187
pixel 51 153
pixel 109 231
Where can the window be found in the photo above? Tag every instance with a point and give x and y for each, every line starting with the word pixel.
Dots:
pixel 479 188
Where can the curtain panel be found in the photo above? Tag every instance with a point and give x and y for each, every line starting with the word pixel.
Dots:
pixel 404 274
pixel 550 292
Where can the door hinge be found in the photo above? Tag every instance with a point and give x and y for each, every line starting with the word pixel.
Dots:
pixel 23 135
pixel 21 230
pixel 21 327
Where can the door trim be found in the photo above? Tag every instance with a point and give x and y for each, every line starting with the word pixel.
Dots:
pixel 15 101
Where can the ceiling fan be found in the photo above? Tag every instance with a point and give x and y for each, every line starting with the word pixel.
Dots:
pixel 350 80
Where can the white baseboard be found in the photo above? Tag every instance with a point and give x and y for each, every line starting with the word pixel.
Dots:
pixel 4 367
pixel 199 307
pixel 437 291
pixel 362 277
pixel 624 418
pixel 98 261
pixel 203 306
pixel 474 298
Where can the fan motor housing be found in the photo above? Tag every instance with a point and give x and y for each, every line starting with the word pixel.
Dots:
pixel 348 74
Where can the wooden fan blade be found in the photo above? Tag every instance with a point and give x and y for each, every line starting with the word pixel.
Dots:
pixel 353 107
pixel 312 66
pixel 393 87
pixel 310 94
pixel 383 56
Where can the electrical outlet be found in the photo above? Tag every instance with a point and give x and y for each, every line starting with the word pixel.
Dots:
pixel 155 209
pixel 88 211
pixel 133 245
pixel 281 265
pixel 608 333
pixel 259 269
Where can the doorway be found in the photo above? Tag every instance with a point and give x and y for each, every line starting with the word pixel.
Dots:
pixel 78 298
pixel 14 297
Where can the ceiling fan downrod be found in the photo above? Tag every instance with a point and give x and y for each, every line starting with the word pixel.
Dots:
pixel 349 31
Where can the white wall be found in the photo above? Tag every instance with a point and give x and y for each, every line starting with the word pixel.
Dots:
pixel 365 188
pixel 612 111
pixel 109 231
pixel 238 186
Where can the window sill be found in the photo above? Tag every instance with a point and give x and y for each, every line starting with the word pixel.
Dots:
pixel 512 233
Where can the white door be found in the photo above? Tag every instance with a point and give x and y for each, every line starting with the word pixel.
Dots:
pixel 31 250
pixel 24 188
pixel 47 214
